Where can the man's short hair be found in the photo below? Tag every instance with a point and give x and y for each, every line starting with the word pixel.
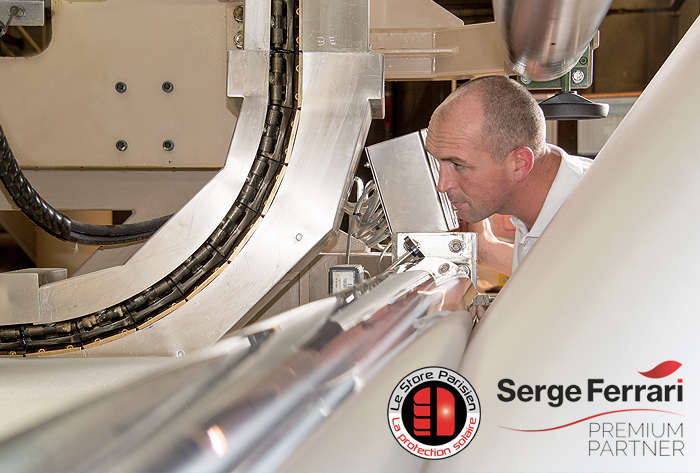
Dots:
pixel 512 117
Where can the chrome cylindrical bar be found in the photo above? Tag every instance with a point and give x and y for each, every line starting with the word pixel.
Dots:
pixel 249 409
pixel 543 39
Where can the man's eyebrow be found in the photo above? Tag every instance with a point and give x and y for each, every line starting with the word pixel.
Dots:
pixel 454 160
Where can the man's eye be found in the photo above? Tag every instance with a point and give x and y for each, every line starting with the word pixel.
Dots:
pixel 459 167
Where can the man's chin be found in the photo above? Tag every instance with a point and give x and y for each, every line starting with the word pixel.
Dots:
pixel 467 215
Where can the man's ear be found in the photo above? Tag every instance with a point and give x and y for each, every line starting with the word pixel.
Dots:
pixel 521 160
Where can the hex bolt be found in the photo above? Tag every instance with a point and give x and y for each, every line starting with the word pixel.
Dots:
pixel 122 145
pixel 168 145
pixel 168 87
pixel 444 268
pixel 577 76
pixel 120 87
pixel 239 40
pixel 238 13
pixel 455 246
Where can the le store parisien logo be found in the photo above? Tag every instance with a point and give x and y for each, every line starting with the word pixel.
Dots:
pixel 434 413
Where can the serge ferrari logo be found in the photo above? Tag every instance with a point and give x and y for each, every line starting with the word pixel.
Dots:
pixel 597 389
pixel 434 412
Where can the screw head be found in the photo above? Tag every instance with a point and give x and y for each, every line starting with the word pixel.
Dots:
pixel 239 40
pixel 583 61
pixel 168 87
pixel 180 353
pixel 122 145
pixel 238 13
pixel 455 246
pixel 577 76
pixel 168 145
pixel 120 87
pixel 444 268
pixel 299 236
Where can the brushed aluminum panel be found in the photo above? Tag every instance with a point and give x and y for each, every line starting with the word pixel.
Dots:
pixel 406 184
pixel 331 26
pixel 19 297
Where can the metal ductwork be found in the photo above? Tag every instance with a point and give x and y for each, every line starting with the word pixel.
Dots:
pixel 544 39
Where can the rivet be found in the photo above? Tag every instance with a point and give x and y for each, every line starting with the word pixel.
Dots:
pixel 168 145
pixel 455 246
pixel 168 87
pixel 444 268
pixel 299 236
pixel 180 353
pixel 122 145
pixel 239 40
pixel 120 87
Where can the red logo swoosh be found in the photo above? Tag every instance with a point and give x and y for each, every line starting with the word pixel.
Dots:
pixel 662 370
pixel 590 417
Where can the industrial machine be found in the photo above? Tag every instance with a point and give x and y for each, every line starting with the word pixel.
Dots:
pixel 208 338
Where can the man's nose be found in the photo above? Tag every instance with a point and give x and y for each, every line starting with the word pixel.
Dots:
pixel 445 181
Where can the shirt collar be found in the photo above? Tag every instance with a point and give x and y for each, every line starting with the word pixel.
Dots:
pixel 569 173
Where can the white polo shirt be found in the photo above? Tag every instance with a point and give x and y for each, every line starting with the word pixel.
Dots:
pixel 570 171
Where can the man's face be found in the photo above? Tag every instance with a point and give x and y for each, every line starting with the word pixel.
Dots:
pixel 476 185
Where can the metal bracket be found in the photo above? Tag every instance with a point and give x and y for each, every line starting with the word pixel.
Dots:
pixel 440 269
pixel 456 247
pixel 31 12
pixel 581 76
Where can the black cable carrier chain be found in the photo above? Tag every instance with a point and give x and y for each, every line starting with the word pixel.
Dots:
pixel 195 272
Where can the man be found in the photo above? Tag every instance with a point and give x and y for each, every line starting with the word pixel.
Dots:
pixel 489 139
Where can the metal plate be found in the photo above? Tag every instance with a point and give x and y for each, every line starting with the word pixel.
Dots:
pixel 335 26
pixel 406 183
pixel 31 12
